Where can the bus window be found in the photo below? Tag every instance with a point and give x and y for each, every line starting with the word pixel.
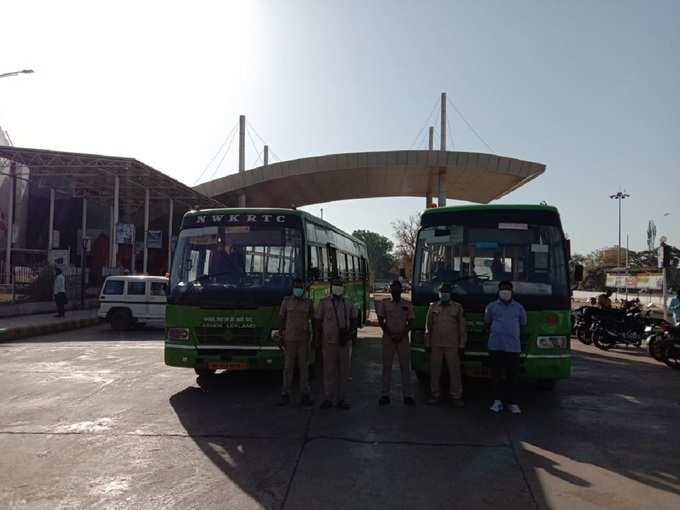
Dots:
pixel 342 265
pixel 313 265
pixel 332 261
pixel 354 268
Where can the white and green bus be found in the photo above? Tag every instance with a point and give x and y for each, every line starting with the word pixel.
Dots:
pixel 474 248
pixel 230 272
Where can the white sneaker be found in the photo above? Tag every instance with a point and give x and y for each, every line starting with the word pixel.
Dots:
pixel 514 409
pixel 497 406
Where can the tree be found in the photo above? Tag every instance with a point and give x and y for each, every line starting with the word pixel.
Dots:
pixel 379 250
pixel 406 233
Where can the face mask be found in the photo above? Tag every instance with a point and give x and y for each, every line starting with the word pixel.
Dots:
pixel 444 297
pixel 298 291
pixel 505 295
pixel 337 290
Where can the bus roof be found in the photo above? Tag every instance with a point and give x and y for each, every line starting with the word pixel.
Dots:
pixel 492 207
pixel 274 210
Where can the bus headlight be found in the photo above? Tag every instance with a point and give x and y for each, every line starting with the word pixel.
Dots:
pixel 551 342
pixel 178 334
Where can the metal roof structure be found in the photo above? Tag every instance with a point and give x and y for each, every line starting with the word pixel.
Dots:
pixel 469 176
pixel 92 176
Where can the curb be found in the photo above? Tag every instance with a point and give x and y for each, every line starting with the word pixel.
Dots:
pixel 10 334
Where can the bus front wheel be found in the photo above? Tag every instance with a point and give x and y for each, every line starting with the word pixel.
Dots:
pixel 204 372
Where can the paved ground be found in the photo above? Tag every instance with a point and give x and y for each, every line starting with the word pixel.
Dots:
pixel 46 318
pixel 93 418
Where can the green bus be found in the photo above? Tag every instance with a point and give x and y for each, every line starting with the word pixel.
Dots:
pixel 474 248
pixel 231 270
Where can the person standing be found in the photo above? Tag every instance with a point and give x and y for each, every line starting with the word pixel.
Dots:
pixel 445 337
pixel 59 292
pixel 505 316
pixel 295 314
pixel 336 320
pixel 395 317
pixel 675 308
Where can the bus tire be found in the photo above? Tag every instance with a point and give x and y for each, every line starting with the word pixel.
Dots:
pixel 204 372
pixel 120 319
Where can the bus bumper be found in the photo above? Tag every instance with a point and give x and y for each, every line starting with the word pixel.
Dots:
pixel 532 366
pixel 188 356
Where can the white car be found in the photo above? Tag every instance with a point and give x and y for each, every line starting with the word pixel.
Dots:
pixel 125 301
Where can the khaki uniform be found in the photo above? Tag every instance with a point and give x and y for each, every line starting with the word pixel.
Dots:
pixel 335 356
pixel 297 314
pixel 397 316
pixel 445 333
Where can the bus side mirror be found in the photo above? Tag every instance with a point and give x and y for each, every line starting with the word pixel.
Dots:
pixel 578 273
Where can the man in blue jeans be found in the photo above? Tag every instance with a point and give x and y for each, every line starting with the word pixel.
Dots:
pixel 505 316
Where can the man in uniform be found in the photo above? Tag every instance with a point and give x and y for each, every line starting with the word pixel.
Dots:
pixel 336 320
pixel 296 313
pixel 445 337
pixel 396 317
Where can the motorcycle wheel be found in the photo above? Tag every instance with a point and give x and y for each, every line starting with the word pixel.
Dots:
pixel 672 359
pixel 655 348
pixel 600 343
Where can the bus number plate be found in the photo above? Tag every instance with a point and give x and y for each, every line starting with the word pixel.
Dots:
pixel 228 365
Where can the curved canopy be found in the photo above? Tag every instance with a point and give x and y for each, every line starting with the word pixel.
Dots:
pixel 469 176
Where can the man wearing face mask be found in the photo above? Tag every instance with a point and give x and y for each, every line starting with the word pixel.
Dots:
pixel 295 314
pixel 336 320
pixel 445 337
pixel 396 317
pixel 505 316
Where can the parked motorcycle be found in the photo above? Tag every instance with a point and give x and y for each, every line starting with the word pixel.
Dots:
pixel 670 348
pixel 581 323
pixel 655 332
pixel 619 327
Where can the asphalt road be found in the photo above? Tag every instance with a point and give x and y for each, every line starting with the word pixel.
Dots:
pixel 93 419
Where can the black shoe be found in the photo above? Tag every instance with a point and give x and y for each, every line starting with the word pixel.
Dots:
pixel 306 401
pixel 326 404
pixel 409 401
pixel 285 400
pixel 384 401
pixel 343 405
pixel 457 403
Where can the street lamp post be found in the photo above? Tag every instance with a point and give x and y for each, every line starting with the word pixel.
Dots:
pixel 620 196
pixel 16 73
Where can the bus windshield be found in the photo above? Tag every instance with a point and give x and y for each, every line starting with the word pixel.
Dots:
pixel 476 258
pixel 250 256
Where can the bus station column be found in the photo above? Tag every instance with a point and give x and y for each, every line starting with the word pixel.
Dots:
pixel 10 225
pixel 50 233
pixel 170 214
pixel 114 216
pixel 146 230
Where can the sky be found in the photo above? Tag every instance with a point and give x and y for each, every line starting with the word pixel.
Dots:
pixel 588 88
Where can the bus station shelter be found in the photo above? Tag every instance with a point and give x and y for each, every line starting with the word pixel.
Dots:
pixel 70 200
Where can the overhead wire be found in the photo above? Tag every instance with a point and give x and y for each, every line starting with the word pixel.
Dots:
pixel 264 142
pixel 470 126
pixel 233 129
pixel 250 136
pixel 231 142
pixel 417 138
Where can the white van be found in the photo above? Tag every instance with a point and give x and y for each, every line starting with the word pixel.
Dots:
pixel 125 301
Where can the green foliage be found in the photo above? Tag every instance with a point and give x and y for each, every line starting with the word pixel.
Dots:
pixel 379 250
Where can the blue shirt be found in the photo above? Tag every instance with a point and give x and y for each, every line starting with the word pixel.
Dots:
pixel 675 308
pixel 505 320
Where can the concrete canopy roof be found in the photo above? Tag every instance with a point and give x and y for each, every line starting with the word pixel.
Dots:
pixel 470 176
pixel 92 176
